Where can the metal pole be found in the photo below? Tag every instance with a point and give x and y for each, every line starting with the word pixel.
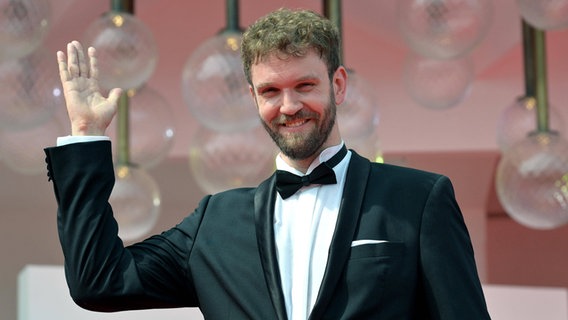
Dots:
pixel 232 17
pixel 541 88
pixel 332 11
pixel 529 59
pixel 122 6
pixel 122 115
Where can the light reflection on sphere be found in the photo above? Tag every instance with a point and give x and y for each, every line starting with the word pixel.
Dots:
pixel 532 181
pixel 438 84
pixel 126 50
pixel 151 127
pixel 368 146
pixel 23 26
pixel 221 161
pixel 519 119
pixel 545 14
pixel 136 202
pixel 214 86
pixel 22 149
pixel 358 115
pixel 30 90
pixel 444 29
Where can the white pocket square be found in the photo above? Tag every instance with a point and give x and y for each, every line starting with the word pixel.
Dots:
pixel 366 241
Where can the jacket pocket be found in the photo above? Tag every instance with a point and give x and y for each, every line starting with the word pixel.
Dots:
pixel 383 249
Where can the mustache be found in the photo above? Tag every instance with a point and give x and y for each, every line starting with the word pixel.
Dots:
pixel 302 114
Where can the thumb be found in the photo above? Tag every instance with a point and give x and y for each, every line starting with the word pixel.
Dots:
pixel 114 95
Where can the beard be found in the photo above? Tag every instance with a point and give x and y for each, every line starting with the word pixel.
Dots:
pixel 299 146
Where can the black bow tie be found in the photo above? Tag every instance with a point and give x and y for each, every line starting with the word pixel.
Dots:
pixel 288 183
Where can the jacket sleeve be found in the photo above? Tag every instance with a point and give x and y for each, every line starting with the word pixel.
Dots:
pixel 101 273
pixel 447 259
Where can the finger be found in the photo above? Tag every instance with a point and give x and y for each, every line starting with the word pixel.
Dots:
pixel 61 62
pixel 114 95
pixel 72 61
pixel 83 67
pixel 94 67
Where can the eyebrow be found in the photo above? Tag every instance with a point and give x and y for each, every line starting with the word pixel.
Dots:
pixel 309 77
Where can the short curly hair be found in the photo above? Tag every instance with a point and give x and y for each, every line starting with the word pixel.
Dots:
pixel 291 33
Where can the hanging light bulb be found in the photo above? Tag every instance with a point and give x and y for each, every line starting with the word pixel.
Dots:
pixel 21 148
pixel 135 196
pixel 518 120
pixel 358 115
pixel 136 200
pixel 532 181
pixel 151 126
pixel 29 93
pixel 532 175
pixel 223 160
pixel 438 84
pixel 368 146
pixel 126 49
pixel 23 26
pixel 545 14
pixel 443 29
pixel 217 64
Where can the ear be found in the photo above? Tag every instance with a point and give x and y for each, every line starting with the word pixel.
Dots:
pixel 339 82
pixel 251 90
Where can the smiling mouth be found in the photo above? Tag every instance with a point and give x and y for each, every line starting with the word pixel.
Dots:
pixel 295 123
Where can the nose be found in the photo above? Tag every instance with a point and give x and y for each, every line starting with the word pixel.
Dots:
pixel 290 102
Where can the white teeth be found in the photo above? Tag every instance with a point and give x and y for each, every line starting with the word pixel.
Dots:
pixel 295 123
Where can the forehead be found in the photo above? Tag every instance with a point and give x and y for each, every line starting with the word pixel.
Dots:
pixel 275 67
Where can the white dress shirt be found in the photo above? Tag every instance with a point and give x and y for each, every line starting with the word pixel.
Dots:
pixel 303 227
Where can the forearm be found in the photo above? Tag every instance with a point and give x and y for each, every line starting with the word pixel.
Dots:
pixel 93 253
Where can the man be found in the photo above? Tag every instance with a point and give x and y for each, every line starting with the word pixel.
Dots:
pixel 369 241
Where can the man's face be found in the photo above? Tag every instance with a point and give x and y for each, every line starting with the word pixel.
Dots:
pixel 296 103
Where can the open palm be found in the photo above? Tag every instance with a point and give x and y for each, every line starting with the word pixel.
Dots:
pixel 89 111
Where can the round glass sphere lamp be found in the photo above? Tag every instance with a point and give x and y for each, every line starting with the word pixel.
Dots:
pixel 22 149
pixel 151 127
pixel 532 181
pixel 225 160
pixel 443 29
pixel 23 26
pixel 358 115
pixel 438 84
pixel 214 87
pixel 519 119
pixel 545 14
pixel 29 91
pixel 126 49
pixel 136 202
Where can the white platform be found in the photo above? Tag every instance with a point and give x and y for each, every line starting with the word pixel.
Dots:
pixel 43 295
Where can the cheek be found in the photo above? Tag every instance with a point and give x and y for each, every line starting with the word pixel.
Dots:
pixel 267 113
pixel 261 107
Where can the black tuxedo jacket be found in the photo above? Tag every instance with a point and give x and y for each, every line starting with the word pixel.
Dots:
pixel 222 258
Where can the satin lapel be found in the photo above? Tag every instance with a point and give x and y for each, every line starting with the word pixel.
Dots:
pixel 349 212
pixel 264 200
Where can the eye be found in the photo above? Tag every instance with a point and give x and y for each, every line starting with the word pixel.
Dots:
pixel 268 92
pixel 305 86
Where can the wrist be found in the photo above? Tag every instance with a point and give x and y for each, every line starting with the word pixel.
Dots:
pixel 83 130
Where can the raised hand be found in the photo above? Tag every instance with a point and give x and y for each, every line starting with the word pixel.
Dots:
pixel 89 111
